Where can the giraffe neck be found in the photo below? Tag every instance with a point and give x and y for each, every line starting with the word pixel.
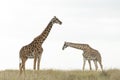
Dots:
pixel 78 46
pixel 41 38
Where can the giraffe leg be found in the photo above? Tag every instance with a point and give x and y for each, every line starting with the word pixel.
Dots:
pixel 84 61
pixel 39 59
pixel 24 69
pixel 96 66
pixel 101 65
pixel 22 65
pixel 20 68
pixel 90 64
pixel 34 66
pixel 38 63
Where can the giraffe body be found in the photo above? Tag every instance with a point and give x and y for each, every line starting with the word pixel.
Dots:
pixel 34 49
pixel 88 54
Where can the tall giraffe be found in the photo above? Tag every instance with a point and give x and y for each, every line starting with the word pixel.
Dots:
pixel 34 49
pixel 88 54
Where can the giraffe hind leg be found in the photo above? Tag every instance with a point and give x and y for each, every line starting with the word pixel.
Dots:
pixel 101 65
pixel 22 65
pixel 20 68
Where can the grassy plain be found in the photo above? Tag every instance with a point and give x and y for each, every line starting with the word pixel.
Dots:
pixel 113 74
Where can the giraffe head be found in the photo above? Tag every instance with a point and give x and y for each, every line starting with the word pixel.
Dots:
pixel 56 20
pixel 65 46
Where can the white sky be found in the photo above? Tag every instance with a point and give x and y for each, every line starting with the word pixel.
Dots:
pixel 95 22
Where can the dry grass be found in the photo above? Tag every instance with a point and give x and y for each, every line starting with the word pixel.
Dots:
pixel 60 75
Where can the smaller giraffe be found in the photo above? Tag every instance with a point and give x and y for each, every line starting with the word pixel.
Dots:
pixel 88 54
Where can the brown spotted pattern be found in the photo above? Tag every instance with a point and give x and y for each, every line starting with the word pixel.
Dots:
pixel 88 54
pixel 34 49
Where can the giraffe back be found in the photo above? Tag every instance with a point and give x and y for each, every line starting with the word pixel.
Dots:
pixel 92 54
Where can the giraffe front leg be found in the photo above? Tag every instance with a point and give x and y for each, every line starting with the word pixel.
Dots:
pixel 96 66
pixel 84 61
pixel 39 57
pixel 38 64
pixel 34 66
pixel 39 60
pixel 90 64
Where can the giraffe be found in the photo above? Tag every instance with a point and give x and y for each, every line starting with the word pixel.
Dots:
pixel 88 54
pixel 34 49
